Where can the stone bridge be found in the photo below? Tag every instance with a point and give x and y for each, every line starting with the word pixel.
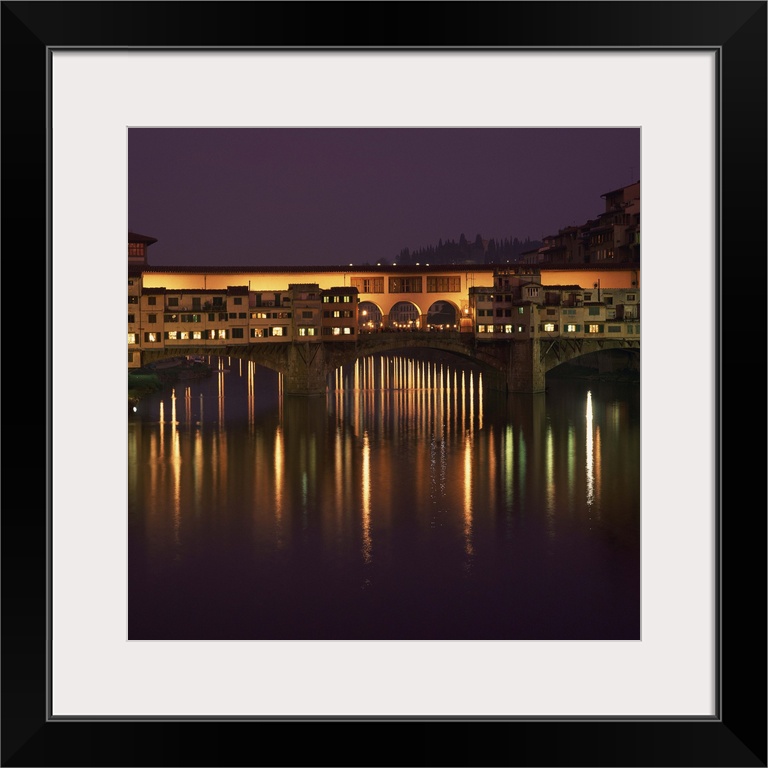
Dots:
pixel 509 365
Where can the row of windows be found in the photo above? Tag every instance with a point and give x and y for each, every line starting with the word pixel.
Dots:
pixel 405 285
pixel 154 337
pixel 499 312
pixel 339 313
pixel 217 303
pixel 212 317
pixel 368 284
pixel 152 319
pixel 336 298
pixel 270 315
pixel 275 330
pixel 502 329
pixel 435 284
pixel 312 330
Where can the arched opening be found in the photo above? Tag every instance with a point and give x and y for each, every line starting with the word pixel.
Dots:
pixel 405 316
pixel 442 316
pixel 369 317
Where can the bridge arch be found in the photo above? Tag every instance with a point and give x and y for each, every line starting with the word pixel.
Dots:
pixel 369 316
pixel 443 315
pixel 405 315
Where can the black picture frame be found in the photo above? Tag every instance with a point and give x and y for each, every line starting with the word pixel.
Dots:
pixel 736 736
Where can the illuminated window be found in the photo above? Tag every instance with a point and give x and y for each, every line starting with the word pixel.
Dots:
pixel 337 313
pixel 132 338
pixel 197 334
pixel 336 331
pixel 348 331
pixel 257 333
pixel 593 328
pixel 152 337
pixel 277 331
pixel 509 328
pixel 258 315
pixel 172 335
pixel 184 335
pixel 346 298
pixel 221 334
pixel 521 310
pixel 571 328
pixel 336 299
pixel 549 327
pixel 521 329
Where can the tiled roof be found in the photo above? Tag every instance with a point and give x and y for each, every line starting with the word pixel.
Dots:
pixel 135 237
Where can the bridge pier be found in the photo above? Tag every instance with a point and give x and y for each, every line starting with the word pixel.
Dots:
pixel 306 372
pixel 525 372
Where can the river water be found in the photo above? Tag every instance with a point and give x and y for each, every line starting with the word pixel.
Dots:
pixel 408 503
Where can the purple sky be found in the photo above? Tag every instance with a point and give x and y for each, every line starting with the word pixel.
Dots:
pixel 333 196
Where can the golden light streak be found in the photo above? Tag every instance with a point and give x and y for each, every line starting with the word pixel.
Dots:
pixel 176 470
pixel 188 405
pixel 480 400
pixel 468 547
pixel 367 543
pixel 509 466
pixel 279 463
pixel 590 470
pixel 549 470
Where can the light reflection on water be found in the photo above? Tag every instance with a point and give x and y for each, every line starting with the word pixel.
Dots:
pixel 406 504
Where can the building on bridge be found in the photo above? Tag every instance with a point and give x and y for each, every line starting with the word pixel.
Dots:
pixel 523 318
pixel 206 320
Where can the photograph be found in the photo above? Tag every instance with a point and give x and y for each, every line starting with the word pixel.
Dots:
pixel 384 384
pixel 390 458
